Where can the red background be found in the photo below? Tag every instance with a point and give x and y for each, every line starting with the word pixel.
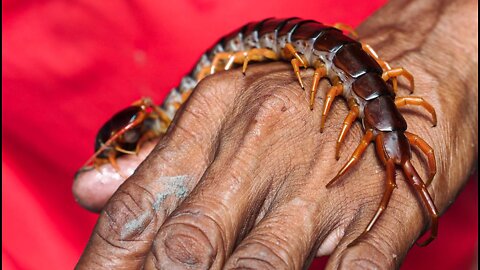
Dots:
pixel 69 65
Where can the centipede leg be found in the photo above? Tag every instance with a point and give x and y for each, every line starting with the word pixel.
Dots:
pixel 367 138
pixel 422 191
pixel 346 28
pixel 427 150
pixel 347 123
pixel 296 68
pixel 384 64
pixel 162 115
pixel 184 96
pixel 402 101
pixel 260 54
pixel 297 61
pixel 331 94
pixel 291 50
pixel 320 72
pixel 396 72
pixel 220 57
pixel 204 72
pixel 125 151
pixel 145 137
pixel 391 185
pixel 113 161
pixel 236 58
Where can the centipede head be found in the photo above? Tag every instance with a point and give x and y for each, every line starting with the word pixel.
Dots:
pixel 125 131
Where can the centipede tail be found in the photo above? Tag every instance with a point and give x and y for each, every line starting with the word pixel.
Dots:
pixel 354 69
pixel 422 191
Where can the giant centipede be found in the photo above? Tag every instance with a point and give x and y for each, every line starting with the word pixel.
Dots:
pixel 355 71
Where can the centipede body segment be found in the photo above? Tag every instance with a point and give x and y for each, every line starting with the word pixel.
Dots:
pixel 355 71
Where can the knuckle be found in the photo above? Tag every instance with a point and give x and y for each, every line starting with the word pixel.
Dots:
pixel 209 94
pixel 280 107
pixel 187 239
pixel 272 107
pixel 127 216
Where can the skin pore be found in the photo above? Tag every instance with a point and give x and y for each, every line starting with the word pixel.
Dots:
pixel 239 179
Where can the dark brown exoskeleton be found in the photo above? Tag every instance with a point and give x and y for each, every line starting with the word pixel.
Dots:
pixel 355 71
pixel 126 131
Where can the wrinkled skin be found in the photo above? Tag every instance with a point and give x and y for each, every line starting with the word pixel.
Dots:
pixel 239 179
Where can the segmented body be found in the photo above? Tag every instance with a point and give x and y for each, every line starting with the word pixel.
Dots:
pixel 356 74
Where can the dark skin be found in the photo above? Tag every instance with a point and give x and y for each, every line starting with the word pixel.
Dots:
pixel 239 179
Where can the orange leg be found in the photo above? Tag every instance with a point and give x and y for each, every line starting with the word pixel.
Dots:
pixel 396 72
pixel 221 59
pixel 297 61
pixel 346 28
pixel 415 180
pixel 113 161
pixel 391 185
pixel 218 62
pixel 236 58
pixel 402 101
pixel 162 115
pixel 347 123
pixel 145 137
pixel 296 68
pixel 320 72
pixel 331 94
pixel 385 66
pixel 291 51
pixel 218 59
pixel 125 151
pixel 204 72
pixel 183 98
pixel 427 150
pixel 186 95
pixel 367 138
pixel 261 54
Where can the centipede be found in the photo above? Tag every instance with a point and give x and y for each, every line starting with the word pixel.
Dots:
pixel 355 72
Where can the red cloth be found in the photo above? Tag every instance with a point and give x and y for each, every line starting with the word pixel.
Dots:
pixel 69 65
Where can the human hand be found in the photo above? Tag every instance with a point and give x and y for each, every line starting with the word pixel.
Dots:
pixel 240 177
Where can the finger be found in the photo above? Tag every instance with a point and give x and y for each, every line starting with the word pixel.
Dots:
pixel 287 235
pixel 93 188
pixel 386 244
pixel 204 230
pixel 127 225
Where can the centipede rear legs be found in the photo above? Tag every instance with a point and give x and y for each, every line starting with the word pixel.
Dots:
pixel 427 150
pixel 387 194
pixel 420 187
